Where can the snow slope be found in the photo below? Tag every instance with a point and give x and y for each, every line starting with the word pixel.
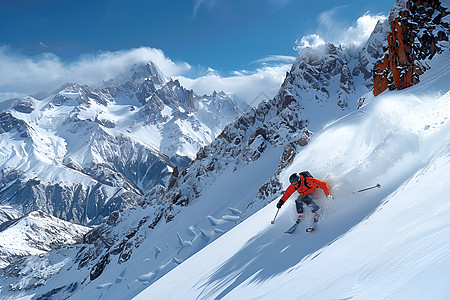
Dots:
pixel 391 242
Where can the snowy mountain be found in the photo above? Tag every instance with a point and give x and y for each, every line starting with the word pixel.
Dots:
pixel 35 234
pixel 208 232
pixel 83 153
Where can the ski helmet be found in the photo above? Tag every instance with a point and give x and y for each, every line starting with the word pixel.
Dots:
pixel 294 178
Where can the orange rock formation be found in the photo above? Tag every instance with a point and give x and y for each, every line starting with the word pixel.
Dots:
pixel 411 39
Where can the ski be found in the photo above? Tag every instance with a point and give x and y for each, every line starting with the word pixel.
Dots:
pixel 293 227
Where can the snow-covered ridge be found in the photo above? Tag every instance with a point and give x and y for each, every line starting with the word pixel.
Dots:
pixel 36 233
pixel 324 84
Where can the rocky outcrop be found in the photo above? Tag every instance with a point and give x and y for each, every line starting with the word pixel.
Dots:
pixel 313 75
pixel 415 36
pixel 8 123
pixel 25 105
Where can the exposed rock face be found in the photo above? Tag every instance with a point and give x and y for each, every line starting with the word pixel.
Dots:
pixel 24 105
pixel 8 123
pixel 414 37
pixel 313 75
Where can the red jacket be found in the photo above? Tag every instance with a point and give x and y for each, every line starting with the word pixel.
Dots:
pixel 303 190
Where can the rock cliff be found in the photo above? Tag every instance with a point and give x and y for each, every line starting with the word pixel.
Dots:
pixel 414 38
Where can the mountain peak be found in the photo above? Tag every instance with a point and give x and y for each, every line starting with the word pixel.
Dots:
pixel 139 73
pixel 147 71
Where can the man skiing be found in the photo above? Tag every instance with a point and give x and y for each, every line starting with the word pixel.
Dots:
pixel 305 185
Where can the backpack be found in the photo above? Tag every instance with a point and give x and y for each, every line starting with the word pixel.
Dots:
pixel 306 174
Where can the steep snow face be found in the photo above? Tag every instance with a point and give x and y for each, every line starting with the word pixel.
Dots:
pixel 388 242
pixel 34 234
pixel 82 153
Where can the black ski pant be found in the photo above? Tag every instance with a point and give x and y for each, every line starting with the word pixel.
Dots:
pixel 308 201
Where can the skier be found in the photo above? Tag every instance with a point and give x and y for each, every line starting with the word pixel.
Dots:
pixel 305 185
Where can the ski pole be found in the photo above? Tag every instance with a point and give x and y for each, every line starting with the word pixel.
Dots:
pixel 273 221
pixel 369 188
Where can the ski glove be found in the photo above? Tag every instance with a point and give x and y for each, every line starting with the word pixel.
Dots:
pixel 330 197
pixel 280 204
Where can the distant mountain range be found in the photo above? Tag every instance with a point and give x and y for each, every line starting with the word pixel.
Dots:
pixel 82 153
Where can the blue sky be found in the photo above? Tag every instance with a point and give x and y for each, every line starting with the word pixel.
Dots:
pixel 198 37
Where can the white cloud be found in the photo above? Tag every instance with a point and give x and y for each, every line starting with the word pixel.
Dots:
pixel 328 18
pixel 331 29
pixel 245 85
pixel 276 59
pixel 357 35
pixel 311 41
pixel 24 75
